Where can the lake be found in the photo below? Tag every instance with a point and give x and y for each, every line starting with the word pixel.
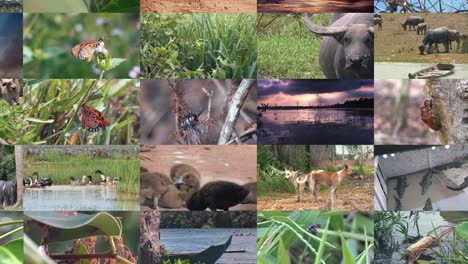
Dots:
pixel 400 70
pixel 427 222
pixel 80 198
pixel 317 126
pixel 176 240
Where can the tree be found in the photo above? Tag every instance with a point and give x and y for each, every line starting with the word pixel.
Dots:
pixel 151 250
pixel 19 174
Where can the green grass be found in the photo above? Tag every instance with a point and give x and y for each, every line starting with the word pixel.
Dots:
pixel 60 166
pixel 49 39
pixel 198 46
pixel 286 49
pixel 11 123
pixel 51 111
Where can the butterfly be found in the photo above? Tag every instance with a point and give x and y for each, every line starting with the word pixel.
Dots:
pixel 85 50
pixel 92 118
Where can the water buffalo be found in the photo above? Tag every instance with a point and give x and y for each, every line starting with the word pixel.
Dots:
pixel 412 21
pixel 421 27
pixel 378 21
pixel 435 36
pixel 454 36
pixel 347 49
pixel 8 193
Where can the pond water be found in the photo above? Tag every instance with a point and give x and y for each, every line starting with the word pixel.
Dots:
pixel 176 240
pixel 80 198
pixel 427 222
pixel 400 70
pixel 317 126
pixel 323 6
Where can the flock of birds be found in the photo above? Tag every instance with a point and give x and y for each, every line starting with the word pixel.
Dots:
pixel 35 182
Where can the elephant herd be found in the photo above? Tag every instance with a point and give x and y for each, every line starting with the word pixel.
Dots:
pixel 8 193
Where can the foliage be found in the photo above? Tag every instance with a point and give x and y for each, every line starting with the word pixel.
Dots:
pixel 280 234
pixel 198 46
pixel 82 6
pixel 286 49
pixel 11 8
pixel 7 162
pixel 11 250
pixel 195 219
pixel 49 38
pixel 11 121
pixel 87 233
pixel 52 107
pixel 59 166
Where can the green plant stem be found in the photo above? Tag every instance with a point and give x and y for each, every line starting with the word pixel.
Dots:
pixel 348 235
pixel 11 222
pixel 11 232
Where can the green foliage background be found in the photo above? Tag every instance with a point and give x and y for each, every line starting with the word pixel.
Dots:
pixel 82 6
pixel 198 46
pixel 49 39
pixel 287 49
pixel 7 162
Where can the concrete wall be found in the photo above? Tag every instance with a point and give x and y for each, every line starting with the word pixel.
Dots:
pixel 417 160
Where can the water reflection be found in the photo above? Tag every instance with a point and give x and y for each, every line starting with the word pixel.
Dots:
pixel 66 197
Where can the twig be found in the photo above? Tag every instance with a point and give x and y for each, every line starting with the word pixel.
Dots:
pixel 210 96
pixel 233 113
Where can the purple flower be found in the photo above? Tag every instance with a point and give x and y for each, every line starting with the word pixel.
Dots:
pixel 96 70
pixel 78 27
pixel 100 21
pixel 134 72
pixel 116 31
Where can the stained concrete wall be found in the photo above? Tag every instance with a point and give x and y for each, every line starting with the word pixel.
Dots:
pixel 417 160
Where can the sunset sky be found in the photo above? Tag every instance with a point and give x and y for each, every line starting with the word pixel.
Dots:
pixel 312 92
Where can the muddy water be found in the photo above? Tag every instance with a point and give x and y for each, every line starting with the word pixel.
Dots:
pixel 175 240
pixel 315 6
pixel 414 198
pixel 400 70
pixel 67 197
pixel 427 222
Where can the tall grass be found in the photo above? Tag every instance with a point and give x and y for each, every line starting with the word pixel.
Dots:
pixel 286 49
pixel 60 166
pixel 219 46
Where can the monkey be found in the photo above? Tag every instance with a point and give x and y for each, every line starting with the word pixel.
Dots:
pixel 158 188
pixel 252 196
pixel 217 195
pixel 187 180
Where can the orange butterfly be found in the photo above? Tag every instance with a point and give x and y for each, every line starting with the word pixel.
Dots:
pixel 92 118
pixel 85 50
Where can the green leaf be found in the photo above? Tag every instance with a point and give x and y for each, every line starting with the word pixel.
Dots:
pixel 282 253
pixel 35 120
pixel 114 62
pixel 347 256
pixel 461 230
pixel 54 6
pixel 70 227
pixel 32 255
pixel 12 251
pixel 321 249
pixel 121 6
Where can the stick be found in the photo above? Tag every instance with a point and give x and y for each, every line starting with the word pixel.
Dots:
pixel 233 112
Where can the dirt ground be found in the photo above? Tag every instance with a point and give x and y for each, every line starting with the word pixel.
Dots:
pixel 229 163
pixel 355 194
pixel 194 6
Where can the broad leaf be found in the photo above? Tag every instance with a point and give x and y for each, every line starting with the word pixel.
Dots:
pixel 462 230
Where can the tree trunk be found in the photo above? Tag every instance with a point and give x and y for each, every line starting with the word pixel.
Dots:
pixel 19 175
pixel 151 250
pixel 450 106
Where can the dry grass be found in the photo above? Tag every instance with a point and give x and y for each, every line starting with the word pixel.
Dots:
pixel 393 44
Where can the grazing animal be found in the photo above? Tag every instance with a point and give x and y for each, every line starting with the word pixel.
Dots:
pixel 435 36
pixel 187 179
pixel 332 179
pixel 8 193
pixel 421 28
pixel 347 49
pixel 377 15
pixel 252 196
pixel 217 195
pixel 299 180
pixel 378 21
pixel 412 21
pixel 454 36
pixel 10 91
pixel 158 188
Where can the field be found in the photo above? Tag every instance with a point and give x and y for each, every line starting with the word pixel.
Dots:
pixel 286 49
pixel 59 165
pixel 198 46
pixel 204 6
pixel 49 39
pixel 393 44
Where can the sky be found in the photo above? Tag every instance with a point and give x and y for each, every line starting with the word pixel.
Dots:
pixel 454 3
pixel 312 92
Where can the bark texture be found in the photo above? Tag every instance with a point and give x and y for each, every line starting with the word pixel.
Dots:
pixel 151 250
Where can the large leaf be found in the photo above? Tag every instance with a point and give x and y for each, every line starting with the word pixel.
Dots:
pixel 54 6
pixel 121 6
pixel 12 252
pixel 70 227
pixel 32 255
pixel 462 230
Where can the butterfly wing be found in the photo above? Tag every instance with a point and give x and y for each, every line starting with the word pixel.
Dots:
pixel 93 119
pixel 85 50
